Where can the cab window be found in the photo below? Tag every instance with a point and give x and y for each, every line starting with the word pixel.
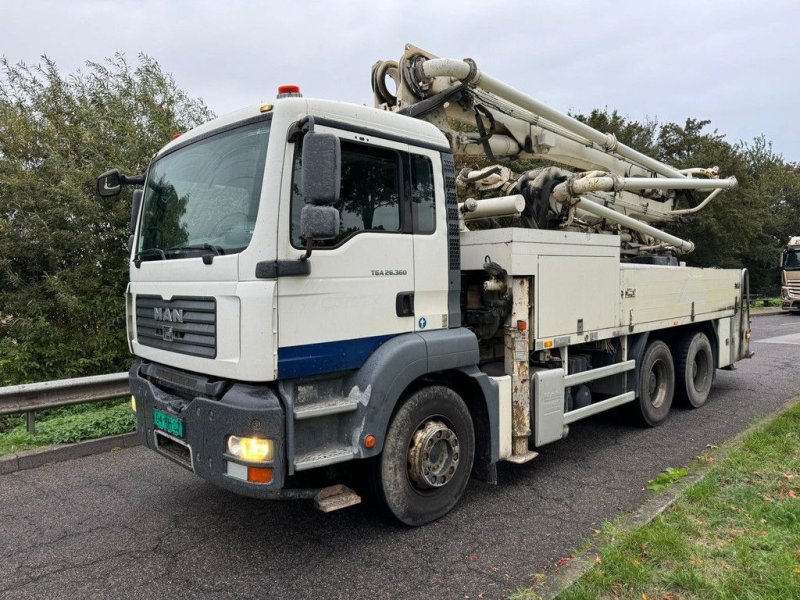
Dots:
pixel 369 198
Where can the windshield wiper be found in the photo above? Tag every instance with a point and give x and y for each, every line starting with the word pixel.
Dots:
pixel 207 258
pixel 149 253
pixel 211 247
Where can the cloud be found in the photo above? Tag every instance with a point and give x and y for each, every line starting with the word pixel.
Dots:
pixel 735 63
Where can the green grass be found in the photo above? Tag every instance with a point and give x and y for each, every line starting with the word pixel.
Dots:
pixel 734 534
pixel 68 425
pixel 767 302
pixel 666 478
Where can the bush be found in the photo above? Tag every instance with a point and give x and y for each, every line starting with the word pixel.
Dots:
pixel 70 425
pixel 63 257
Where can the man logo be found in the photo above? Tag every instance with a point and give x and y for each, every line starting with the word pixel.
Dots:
pixel 174 315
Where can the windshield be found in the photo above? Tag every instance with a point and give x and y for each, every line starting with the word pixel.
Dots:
pixel 203 198
pixel 791 261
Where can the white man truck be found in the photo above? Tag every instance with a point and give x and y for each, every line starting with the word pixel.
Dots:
pixel 313 286
pixel 790 275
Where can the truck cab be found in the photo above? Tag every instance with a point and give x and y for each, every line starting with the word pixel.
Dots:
pixel 240 335
pixel 790 275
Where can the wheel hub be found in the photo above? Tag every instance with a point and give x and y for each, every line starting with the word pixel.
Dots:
pixel 655 384
pixel 433 455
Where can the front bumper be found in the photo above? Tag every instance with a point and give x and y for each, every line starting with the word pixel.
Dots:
pixel 790 304
pixel 789 299
pixel 240 409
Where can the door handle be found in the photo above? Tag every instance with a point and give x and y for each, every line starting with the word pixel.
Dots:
pixel 404 304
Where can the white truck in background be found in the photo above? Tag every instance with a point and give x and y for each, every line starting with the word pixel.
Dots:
pixel 308 293
pixel 790 275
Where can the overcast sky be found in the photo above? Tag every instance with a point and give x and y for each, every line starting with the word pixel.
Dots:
pixel 736 63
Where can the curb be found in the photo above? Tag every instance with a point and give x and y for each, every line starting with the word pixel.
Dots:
pixel 52 454
pixel 586 559
pixel 768 312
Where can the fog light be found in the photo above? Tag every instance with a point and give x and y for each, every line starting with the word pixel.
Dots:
pixel 133 403
pixel 250 449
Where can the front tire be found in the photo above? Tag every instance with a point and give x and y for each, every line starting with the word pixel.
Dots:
pixel 656 384
pixel 427 456
pixel 694 370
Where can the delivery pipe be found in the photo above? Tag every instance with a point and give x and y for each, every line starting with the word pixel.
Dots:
pixel 489 208
pixel 467 71
pixel 578 186
pixel 683 246
pixel 698 208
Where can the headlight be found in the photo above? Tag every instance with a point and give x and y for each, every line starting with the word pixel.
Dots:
pixel 250 449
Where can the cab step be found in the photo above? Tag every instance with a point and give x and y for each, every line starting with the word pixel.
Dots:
pixel 335 497
pixel 521 459
pixel 325 408
pixel 323 458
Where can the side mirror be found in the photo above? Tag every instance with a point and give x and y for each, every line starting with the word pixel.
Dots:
pixel 322 168
pixel 136 204
pixel 109 183
pixel 319 222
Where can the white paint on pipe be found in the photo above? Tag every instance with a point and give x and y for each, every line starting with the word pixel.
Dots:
pixel 501 145
pixel 599 210
pixel 584 185
pixel 488 208
pixel 458 69
pixel 699 207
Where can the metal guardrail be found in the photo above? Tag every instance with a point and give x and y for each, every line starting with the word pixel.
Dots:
pixel 30 397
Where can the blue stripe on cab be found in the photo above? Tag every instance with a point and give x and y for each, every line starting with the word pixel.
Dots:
pixel 327 357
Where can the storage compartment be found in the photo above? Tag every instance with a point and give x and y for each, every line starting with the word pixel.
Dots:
pixel 576 294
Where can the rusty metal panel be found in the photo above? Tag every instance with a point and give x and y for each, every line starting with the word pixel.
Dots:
pixel 505 434
pixel 517 343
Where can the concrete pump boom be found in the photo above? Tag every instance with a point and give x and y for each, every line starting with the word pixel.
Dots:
pixel 507 124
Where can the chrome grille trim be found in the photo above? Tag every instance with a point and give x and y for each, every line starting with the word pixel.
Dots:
pixel 188 328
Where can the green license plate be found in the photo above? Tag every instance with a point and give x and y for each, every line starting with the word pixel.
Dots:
pixel 168 423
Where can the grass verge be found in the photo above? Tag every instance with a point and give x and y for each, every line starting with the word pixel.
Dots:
pixel 69 425
pixel 733 534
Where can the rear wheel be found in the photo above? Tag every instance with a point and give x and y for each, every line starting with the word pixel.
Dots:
pixel 427 456
pixel 656 384
pixel 694 370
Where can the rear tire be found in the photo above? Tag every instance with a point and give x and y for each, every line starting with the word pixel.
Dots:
pixel 694 370
pixel 656 384
pixel 427 456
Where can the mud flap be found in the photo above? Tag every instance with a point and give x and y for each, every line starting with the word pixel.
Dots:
pixel 548 406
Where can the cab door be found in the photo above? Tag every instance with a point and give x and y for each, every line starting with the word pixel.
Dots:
pixel 359 292
pixel 429 225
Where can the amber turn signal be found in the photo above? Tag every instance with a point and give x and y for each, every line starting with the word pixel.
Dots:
pixel 259 475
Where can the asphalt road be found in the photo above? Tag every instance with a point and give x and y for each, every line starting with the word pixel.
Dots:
pixel 130 524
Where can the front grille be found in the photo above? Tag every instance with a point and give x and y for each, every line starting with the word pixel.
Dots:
pixel 183 324
pixel 794 287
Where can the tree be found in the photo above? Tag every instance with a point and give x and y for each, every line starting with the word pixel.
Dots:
pixel 63 255
pixel 744 227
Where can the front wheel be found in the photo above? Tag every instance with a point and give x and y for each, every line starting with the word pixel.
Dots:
pixel 656 384
pixel 427 456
